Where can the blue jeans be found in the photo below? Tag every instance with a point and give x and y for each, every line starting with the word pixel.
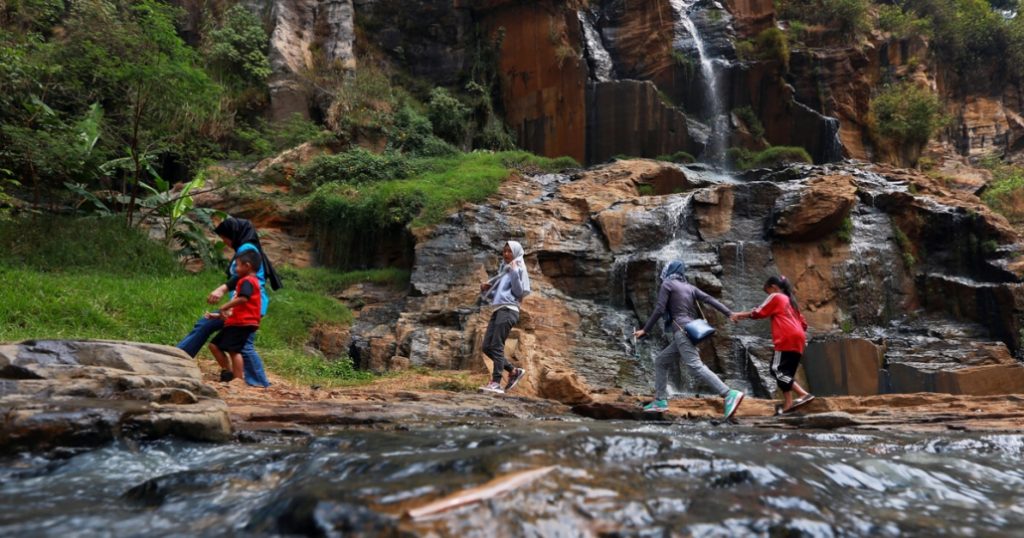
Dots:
pixel 252 364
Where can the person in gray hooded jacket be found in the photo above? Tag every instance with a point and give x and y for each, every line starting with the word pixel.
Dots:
pixel 677 304
pixel 505 291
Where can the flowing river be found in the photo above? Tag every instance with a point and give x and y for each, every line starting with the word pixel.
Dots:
pixel 611 478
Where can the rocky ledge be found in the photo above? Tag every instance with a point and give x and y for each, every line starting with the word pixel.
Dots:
pixel 58 393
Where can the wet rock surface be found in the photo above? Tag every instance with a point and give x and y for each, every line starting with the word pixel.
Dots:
pixel 58 393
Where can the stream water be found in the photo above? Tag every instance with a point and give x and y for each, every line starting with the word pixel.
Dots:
pixel 612 478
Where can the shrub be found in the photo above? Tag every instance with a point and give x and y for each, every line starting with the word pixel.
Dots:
pixel 1005 193
pixel 354 166
pixel 746 50
pixel 902 24
pixel 677 157
pixel 850 17
pixel 495 136
pixel 845 231
pixel 363 103
pixel 774 156
pixel 905 113
pixel 409 130
pixel 773 45
pixel 449 116
pixel 750 119
pixel 263 138
pixel 237 51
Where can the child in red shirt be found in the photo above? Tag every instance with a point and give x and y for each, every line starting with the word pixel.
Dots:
pixel 243 317
pixel 789 335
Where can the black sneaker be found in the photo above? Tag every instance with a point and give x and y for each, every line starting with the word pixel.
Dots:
pixel 226 376
pixel 514 377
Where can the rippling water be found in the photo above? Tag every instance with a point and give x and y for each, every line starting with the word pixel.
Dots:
pixel 611 478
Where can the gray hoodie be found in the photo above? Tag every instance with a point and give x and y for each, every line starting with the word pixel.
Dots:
pixel 678 296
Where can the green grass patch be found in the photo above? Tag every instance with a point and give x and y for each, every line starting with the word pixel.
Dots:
pixel 352 221
pixel 105 282
pixel 68 245
pixel 425 198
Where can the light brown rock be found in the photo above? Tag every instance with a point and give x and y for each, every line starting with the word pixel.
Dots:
pixel 85 393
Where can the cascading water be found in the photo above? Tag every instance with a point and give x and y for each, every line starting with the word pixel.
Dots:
pixel 602 68
pixel 718 121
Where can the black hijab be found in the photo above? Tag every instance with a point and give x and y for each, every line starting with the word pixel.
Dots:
pixel 240 232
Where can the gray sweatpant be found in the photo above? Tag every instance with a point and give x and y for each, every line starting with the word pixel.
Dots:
pixel 502 321
pixel 682 347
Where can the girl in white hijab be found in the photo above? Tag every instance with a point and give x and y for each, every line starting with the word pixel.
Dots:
pixel 505 291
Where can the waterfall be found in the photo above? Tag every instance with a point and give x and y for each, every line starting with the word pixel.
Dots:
pixel 600 62
pixel 718 120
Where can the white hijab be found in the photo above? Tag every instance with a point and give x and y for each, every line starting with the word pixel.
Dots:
pixel 524 276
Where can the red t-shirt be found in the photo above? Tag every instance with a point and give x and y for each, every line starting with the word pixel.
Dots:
pixel 246 314
pixel 789 328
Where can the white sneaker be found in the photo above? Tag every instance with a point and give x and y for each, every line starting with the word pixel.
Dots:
pixel 492 387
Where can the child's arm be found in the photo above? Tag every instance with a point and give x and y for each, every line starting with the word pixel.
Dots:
pixel 239 299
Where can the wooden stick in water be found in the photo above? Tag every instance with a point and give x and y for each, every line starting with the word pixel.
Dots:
pixel 482 492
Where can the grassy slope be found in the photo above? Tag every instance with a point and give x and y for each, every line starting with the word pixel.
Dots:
pixel 90 278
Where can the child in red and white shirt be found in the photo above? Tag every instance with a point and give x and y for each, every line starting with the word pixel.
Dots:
pixel 789 335
pixel 242 317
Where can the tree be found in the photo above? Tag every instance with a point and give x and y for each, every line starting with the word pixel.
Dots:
pixel 127 56
pixel 237 50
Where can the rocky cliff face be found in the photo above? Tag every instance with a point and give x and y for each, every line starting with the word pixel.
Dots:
pixel 567 71
pixel 870 251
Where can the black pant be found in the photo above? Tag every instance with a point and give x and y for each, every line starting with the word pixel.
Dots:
pixel 502 321
pixel 784 365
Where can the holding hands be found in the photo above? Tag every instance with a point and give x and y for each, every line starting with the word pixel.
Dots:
pixel 736 317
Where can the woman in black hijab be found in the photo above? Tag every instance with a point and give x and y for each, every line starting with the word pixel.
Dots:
pixel 239 235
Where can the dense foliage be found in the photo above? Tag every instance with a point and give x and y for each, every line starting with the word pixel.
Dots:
pixel 103 100
pixel 906 113
pixel 849 17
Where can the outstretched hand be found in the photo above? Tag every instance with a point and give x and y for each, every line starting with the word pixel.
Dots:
pixel 736 317
pixel 639 333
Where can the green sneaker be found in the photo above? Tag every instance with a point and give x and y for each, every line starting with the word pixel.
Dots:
pixel 657 406
pixel 732 403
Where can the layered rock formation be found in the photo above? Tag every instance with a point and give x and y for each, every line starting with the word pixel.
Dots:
pixel 82 394
pixel 858 243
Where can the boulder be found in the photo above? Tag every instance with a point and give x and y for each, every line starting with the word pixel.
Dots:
pixel 816 211
pixel 59 393
pixel 841 367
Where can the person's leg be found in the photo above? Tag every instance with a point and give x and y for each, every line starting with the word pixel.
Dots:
pixel 195 340
pixel 662 363
pixel 222 360
pixel 501 324
pixel 489 345
pixel 697 368
pixel 236 364
pixel 252 364
pixel 784 365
